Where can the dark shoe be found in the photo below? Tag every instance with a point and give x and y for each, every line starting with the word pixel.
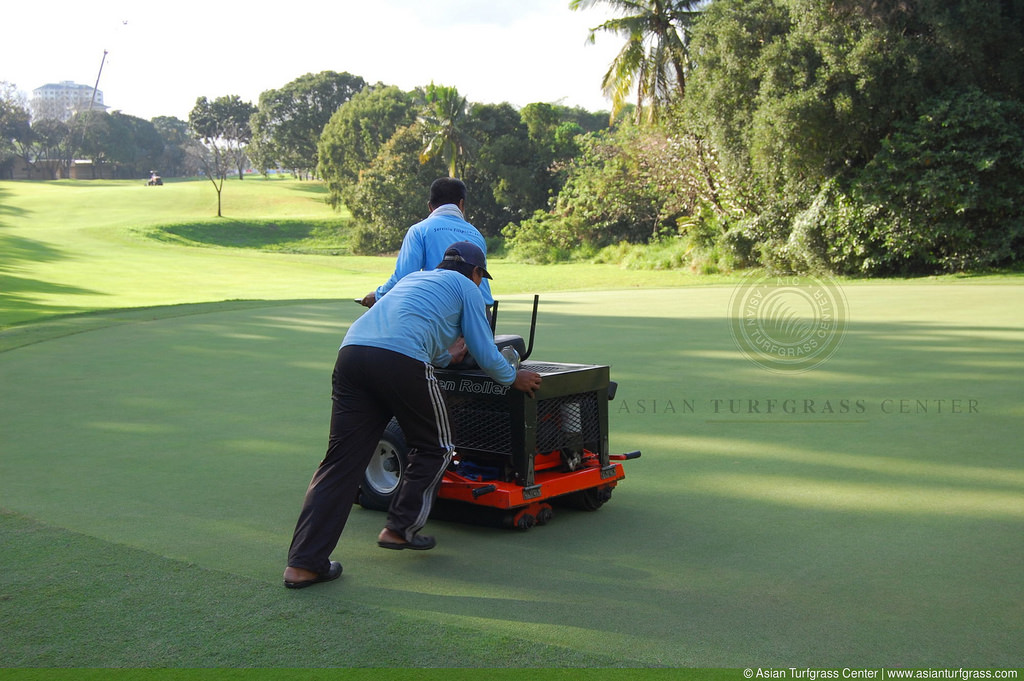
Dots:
pixel 333 573
pixel 419 543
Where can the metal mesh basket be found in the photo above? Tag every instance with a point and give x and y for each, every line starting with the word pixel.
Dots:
pixel 568 422
pixel 484 424
pixel 480 423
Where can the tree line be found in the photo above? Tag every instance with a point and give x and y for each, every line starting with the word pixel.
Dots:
pixel 862 137
pixel 127 145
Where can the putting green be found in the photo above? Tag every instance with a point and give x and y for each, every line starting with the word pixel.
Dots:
pixel 868 512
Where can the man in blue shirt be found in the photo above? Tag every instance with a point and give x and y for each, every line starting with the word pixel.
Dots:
pixel 385 368
pixel 425 243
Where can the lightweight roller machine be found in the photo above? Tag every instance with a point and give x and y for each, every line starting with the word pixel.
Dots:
pixel 516 457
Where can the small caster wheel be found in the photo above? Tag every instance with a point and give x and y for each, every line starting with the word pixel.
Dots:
pixel 525 522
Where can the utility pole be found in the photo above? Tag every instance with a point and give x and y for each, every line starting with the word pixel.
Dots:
pixel 71 132
pixel 97 85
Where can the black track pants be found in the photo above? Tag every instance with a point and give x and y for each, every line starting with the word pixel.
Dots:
pixel 370 385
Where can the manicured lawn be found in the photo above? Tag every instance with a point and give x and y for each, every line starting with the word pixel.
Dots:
pixel 71 247
pixel 152 463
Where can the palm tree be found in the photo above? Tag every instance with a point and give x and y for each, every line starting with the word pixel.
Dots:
pixel 444 119
pixel 654 59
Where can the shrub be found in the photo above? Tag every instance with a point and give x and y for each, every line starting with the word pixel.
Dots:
pixel 950 185
pixel 629 185
pixel 542 238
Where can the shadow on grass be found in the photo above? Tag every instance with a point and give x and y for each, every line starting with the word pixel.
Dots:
pixel 310 187
pixel 90 183
pixel 7 209
pixel 18 298
pixel 17 249
pixel 18 294
pixel 326 237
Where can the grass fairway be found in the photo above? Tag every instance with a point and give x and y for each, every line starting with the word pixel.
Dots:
pixel 152 463
pixel 71 247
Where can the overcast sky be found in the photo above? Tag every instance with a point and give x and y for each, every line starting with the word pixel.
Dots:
pixel 163 54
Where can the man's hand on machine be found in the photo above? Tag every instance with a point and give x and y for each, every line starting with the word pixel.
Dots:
pixel 458 350
pixel 527 381
pixel 369 299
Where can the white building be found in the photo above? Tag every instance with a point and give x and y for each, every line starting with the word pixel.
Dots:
pixel 61 100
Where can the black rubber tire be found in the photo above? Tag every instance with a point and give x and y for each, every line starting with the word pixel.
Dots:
pixel 384 472
pixel 587 499
pixel 525 522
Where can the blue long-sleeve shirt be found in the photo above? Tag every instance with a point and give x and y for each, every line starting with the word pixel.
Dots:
pixel 424 314
pixel 425 243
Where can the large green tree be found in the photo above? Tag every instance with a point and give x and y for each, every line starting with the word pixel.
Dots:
pixel 654 61
pixel 15 129
pixel 553 132
pixel 945 193
pixel 92 138
pixel 49 141
pixel 517 163
pixel 503 177
pixel 357 131
pixel 173 161
pixel 391 193
pixel 289 121
pixel 798 91
pixel 511 174
pixel 799 97
pixel 135 145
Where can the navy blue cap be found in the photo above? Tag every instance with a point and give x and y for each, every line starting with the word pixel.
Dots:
pixel 468 252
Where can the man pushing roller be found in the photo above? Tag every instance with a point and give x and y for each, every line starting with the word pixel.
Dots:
pixel 385 369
